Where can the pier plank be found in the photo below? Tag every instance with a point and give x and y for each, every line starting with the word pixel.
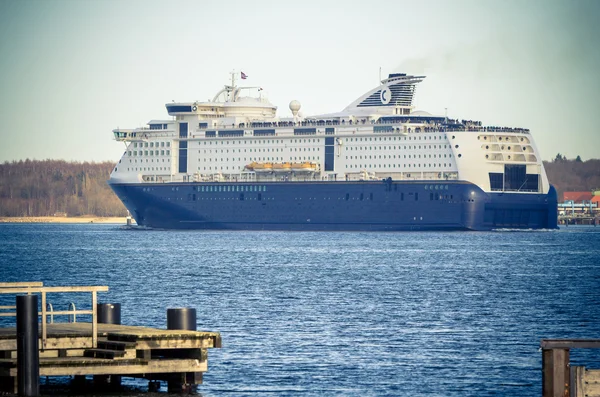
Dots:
pixel 63 335
pixel 98 366
pixel 590 383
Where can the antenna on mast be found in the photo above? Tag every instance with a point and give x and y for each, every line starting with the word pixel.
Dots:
pixel 380 73
pixel 230 89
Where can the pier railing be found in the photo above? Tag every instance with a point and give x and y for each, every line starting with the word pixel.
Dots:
pixel 38 288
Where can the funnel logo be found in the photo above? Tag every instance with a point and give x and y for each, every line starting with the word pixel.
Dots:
pixel 385 96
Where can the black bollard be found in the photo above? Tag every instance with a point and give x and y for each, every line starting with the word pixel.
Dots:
pixel 28 355
pixel 109 313
pixel 183 318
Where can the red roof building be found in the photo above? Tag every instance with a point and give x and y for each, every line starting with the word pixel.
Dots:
pixel 577 197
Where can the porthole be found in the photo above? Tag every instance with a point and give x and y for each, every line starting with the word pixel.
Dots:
pixel 459 155
pixel 456 146
pixel 487 147
pixel 487 156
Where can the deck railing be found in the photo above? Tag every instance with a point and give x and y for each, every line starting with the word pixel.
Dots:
pixel 38 288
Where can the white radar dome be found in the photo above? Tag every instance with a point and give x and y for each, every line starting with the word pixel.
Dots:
pixel 294 107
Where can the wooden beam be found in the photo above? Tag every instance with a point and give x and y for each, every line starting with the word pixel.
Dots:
pixel 90 366
pixel 176 344
pixel 22 284
pixel 24 290
pixel 570 344
pixel 82 342
pixel 555 373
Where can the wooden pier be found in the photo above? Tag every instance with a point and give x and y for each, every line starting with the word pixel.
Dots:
pixel 108 351
pixel 559 377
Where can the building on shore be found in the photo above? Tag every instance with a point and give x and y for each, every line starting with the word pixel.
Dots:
pixel 579 208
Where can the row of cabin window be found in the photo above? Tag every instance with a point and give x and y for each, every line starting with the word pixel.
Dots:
pixel 149 169
pixel 261 141
pixel 397 165
pixel 347 197
pixel 393 147
pixel 151 144
pixel 436 187
pixel 285 141
pixel 394 156
pixel 151 160
pixel 232 188
pixel 314 149
pixel 152 153
pixel 315 158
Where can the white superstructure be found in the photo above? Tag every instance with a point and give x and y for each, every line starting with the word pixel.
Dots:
pixel 238 136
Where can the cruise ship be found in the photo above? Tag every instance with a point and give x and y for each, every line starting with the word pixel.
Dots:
pixel 377 165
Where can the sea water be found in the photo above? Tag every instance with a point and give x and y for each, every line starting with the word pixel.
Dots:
pixel 340 314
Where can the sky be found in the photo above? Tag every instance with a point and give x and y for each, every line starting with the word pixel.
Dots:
pixel 71 71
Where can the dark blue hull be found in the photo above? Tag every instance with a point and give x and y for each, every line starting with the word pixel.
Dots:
pixel 335 206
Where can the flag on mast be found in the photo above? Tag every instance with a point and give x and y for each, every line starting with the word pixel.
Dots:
pixel 244 76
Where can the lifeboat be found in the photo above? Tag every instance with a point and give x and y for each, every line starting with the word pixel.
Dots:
pixel 282 167
pixel 304 167
pixel 262 167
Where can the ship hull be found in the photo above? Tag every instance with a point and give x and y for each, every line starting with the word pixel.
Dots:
pixel 335 206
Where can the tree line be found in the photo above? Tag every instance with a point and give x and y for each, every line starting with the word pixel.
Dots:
pixel 57 187
pixel 573 175
pixel 51 187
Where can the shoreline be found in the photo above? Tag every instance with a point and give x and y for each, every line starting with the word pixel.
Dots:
pixel 64 219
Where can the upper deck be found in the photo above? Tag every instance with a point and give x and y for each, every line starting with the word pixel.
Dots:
pixel 393 125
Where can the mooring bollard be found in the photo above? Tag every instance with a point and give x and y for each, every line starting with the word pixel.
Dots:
pixel 109 313
pixel 28 355
pixel 183 318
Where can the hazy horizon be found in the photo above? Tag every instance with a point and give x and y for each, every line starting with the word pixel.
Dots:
pixel 73 71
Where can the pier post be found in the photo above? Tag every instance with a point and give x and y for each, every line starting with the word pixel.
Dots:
pixel 182 319
pixel 555 372
pixel 108 313
pixel 28 355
